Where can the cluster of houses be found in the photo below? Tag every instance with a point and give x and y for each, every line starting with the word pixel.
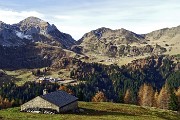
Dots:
pixel 55 80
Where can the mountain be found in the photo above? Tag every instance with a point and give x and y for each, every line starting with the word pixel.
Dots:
pixel 106 35
pixel 32 43
pixel 36 39
pixel 33 29
pixel 165 33
pixel 116 43
pixel 167 37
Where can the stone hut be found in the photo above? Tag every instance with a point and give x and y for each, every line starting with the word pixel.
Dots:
pixel 58 101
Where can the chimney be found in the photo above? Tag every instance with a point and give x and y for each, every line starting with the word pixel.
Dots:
pixel 45 91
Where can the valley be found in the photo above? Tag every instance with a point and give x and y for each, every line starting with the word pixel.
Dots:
pixel 119 65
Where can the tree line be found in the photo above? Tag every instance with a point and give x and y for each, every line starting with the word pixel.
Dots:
pixel 12 95
pixel 150 82
pixel 123 84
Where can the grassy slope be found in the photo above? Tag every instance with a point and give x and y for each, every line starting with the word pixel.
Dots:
pixel 19 76
pixel 24 75
pixel 96 111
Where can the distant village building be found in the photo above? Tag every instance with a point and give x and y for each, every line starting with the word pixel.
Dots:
pixel 55 80
pixel 56 102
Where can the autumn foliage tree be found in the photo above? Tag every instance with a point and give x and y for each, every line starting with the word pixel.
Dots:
pixel 128 97
pixel 156 94
pixel 99 97
pixel 178 97
pixel 5 103
pixel 64 88
pixel 164 98
pixel 146 95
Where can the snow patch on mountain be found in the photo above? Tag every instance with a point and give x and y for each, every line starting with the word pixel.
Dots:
pixel 22 35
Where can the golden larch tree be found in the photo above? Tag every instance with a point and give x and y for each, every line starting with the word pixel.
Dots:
pixel 178 96
pixel 99 97
pixel 156 94
pixel 146 95
pixel 128 97
pixel 164 98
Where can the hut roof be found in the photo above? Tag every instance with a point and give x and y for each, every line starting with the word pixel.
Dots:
pixel 59 98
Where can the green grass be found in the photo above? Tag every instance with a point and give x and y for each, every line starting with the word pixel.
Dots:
pixel 96 111
pixel 19 76
pixel 176 56
pixel 24 75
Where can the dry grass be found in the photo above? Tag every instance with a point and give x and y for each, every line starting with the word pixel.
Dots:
pixel 24 75
pixel 21 76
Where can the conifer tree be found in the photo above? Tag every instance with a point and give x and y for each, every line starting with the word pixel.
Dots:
pixel 173 101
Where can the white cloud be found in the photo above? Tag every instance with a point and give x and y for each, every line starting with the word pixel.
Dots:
pixel 62 17
pixel 81 16
pixel 11 17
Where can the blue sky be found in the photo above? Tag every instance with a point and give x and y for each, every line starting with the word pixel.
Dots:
pixel 77 17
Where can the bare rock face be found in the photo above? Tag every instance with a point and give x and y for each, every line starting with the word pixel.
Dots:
pixel 33 25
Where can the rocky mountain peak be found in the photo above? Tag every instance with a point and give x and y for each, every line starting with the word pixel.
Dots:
pixel 100 31
pixel 33 29
pixel 33 25
pixel 122 31
pixel 33 19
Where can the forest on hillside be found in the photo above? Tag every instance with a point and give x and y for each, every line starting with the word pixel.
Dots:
pixel 156 76
pixel 152 81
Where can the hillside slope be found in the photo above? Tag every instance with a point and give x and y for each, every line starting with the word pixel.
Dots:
pixel 29 56
pixel 167 37
pixel 96 111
